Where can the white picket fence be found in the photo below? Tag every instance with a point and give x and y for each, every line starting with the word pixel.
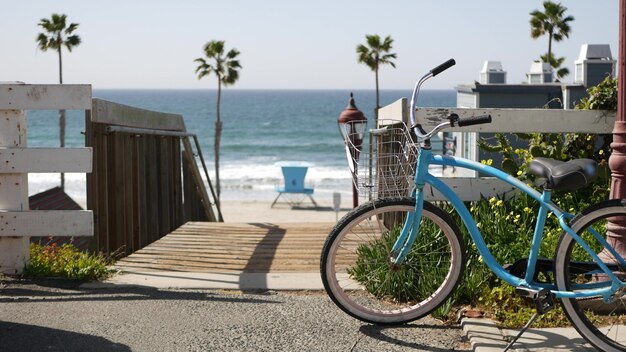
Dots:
pixel 17 222
pixel 468 186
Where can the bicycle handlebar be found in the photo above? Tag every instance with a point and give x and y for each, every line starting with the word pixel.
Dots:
pixel 464 121
pixel 473 120
pixel 446 65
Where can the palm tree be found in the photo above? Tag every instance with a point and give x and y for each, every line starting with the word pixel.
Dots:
pixel 225 67
pixel 374 54
pixel 551 22
pixel 58 35
pixel 556 64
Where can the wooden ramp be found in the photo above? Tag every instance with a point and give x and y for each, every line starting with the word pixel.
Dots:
pixel 211 247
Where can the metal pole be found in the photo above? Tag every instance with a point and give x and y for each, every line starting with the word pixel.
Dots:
pixel 616 234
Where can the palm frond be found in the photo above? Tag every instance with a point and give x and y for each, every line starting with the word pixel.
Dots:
pixel 42 41
pixel 223 66
pixel 373 41
pixel 56 27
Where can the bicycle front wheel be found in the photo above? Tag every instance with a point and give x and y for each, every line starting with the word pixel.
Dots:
pixel 600 322
pixel 361 280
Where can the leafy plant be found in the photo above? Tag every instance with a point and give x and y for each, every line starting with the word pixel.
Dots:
pixel 601 97
pixel 409 281
pixel 513 311
pixel 65 261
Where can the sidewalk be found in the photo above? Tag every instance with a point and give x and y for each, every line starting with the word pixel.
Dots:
pixel 486 337
pixel 482 333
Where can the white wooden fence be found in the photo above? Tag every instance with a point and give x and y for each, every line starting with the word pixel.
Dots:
pixel 470 187
pixel 17 222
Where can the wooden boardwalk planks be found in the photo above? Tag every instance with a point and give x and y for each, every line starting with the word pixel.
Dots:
pixel 233 247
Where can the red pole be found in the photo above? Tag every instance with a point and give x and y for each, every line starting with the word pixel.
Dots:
pixel 617 162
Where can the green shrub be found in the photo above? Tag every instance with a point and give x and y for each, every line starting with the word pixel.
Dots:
pixel 409 281
pixel 513 311
pixel 601 97
pixel 65 261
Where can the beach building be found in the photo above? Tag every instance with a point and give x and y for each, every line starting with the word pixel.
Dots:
pixel 538 90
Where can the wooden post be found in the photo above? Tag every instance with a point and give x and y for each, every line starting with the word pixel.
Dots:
pixel 13 193
pixel 616 234
pixel 17 222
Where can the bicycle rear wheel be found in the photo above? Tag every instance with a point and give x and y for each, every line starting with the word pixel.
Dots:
pixel 359 278
pixel 601 323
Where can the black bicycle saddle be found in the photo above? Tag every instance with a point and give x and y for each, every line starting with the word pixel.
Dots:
pixel 564 175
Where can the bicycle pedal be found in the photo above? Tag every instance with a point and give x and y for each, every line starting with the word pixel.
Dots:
pixel 543 299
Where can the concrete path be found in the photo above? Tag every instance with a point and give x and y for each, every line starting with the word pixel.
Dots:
pixel 48 316
pixel 482 334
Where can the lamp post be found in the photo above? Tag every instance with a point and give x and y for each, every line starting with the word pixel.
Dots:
pixel 352 124
pixel 616 228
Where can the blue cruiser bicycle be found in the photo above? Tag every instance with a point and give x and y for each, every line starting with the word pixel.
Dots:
pixel 395 239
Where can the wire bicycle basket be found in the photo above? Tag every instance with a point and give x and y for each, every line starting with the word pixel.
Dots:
pixel 384 167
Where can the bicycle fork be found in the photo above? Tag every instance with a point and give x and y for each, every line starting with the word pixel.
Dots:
pixel 408 234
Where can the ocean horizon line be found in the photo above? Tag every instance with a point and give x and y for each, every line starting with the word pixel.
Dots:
pixel 274 89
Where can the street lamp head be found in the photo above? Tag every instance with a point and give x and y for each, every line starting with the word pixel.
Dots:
pixel 352 124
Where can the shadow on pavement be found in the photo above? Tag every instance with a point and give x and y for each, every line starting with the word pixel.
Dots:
pixel 22 337
pixel 16 291
pixel 378 332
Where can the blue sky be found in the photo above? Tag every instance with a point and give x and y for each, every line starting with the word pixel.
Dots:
pixel 289 44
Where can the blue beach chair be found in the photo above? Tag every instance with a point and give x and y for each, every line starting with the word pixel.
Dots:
pixel 294 174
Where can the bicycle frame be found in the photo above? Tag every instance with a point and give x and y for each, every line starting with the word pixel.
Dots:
pixel 411 227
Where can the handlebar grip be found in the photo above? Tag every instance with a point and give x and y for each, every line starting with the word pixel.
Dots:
pixel 446 65
pixel 474 120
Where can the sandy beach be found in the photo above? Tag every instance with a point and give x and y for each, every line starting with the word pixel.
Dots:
pixel 260 211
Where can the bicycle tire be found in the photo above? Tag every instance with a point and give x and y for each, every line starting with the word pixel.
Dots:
pixel 602 324
pixel 372 296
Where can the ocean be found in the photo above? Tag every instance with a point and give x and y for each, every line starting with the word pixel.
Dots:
pixel 260 129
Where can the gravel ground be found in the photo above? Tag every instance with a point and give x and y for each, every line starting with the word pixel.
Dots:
pixel 56 315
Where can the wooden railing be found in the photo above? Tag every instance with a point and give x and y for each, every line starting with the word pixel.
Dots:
pixel 143 184
pixel 17 222
pixel 468 185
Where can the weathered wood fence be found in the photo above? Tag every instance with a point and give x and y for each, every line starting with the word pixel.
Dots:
pixel 17 222
pixel 468 185
pixel 144 185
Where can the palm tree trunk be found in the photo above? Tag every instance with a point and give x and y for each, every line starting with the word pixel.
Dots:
pixel 377 100
pixel 61 117
pixel 218 138
pixel 550 48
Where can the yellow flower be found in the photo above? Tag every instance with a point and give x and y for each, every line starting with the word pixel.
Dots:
pixel 519 173
pixel 601 152
pixel 499 202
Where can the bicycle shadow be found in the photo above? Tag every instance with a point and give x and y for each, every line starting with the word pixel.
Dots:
pixel 566 339
pixel 24 337
pixel 378 332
